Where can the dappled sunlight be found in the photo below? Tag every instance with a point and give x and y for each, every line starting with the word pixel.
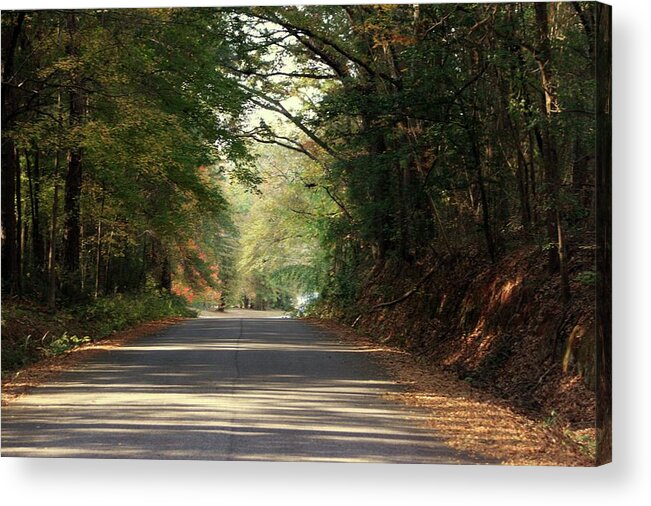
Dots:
pixel 508 288
pixel 498 431
pixel 470 420
pixel 226 394
pixel 477 345
pixel 256 346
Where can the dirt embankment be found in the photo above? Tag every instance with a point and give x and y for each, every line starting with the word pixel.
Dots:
pixel 501 328
pixel 469 419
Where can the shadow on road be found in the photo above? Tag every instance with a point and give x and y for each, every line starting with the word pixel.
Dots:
pixel 226 389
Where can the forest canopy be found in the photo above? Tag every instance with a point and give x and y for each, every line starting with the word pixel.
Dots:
pixel 370 133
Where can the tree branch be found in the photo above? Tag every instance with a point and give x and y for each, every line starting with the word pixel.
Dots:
pixel 276 106
pixel 406 295
pixel 298 75
pixel 298 149
pixel 340 204
pixel 297 30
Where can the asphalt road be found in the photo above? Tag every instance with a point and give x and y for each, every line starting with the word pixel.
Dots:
pixel 225 389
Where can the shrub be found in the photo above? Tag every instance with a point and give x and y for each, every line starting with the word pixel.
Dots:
pixel 30 333
pixel 64 343
pixel 120 311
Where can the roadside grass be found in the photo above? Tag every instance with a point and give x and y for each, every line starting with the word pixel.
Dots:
pixel 31 332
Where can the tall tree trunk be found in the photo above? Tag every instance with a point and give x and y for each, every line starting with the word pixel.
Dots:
pixel 532 172
pixel 523 190
pixel 98 253
pixel 10 254
pixel 72 223
pixel 581 180
pixel 556 258
pixel 166 274
pixel 380 190
pixel 604 233
pixel 24 237
pixel 143 270
pixel 33 180
pixel 19 229
pixel 52 250
pixel 107 268
pixel 521 171
pixel 51 257
pixel 562 259
pixel 486 224
pixel 9 232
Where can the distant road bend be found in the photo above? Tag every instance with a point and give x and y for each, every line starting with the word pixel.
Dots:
pixel 225 389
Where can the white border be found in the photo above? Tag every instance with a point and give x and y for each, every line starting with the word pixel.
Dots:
pixel 70 482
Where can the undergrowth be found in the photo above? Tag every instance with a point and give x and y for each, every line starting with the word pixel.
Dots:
pixel 31 332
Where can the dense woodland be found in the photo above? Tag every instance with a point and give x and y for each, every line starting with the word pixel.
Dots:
pixel 254 155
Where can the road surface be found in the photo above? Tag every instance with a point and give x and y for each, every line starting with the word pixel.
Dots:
pixel 225 389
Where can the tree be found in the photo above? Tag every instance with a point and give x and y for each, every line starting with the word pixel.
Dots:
pixel 12 25
pixel 122 108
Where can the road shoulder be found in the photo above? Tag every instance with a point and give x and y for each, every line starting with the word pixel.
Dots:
pixel 470 420
pixel 21 382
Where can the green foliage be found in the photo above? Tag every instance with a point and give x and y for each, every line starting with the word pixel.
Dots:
pixel 280 257
pixel 386 134
pixel 587 442
pixel 587 277
pixel 552 420
pixel 435 135
pixel 30 333
pixel 109 314
pixel 18 355
pixel 157 132
pixel 64 343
